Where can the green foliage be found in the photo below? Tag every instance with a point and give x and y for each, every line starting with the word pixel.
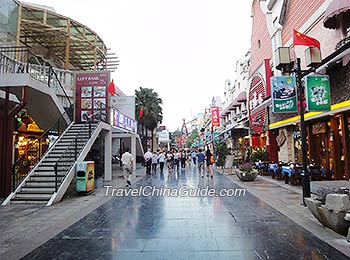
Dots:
pixel 221 153
pixel 149 100
pixel 259 153
pixel 191 137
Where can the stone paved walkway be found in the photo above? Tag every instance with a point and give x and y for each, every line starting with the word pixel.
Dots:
pixel 187 227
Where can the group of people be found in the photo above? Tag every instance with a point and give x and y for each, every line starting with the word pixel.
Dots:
pixel 174 159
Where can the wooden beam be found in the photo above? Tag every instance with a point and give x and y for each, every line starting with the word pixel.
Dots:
pixel 67 45
pixel 95 54
pixel 45 17
pixel 18 35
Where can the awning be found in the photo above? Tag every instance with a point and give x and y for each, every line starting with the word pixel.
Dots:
pixel 234 104
pixel 242 97
pixel 335 8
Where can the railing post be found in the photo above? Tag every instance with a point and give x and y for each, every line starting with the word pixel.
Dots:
pixel 89 128
pixel 13 177
pixel 76 148
pixel 56 179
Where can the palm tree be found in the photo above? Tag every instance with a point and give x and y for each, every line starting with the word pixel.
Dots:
pixel 149 103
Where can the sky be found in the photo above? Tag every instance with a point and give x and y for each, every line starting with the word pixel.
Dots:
pixel 183 49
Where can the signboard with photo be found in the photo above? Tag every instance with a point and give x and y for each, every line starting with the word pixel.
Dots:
pixel 91 96
pixel 284 97
pixel 318 94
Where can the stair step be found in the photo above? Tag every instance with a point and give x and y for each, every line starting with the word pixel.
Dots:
pixel 27 201
pixel 46 178
pixel 40 196
pixel 38 190
pixel 39 184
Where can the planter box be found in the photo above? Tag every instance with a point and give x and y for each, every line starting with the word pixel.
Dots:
pixel 247 176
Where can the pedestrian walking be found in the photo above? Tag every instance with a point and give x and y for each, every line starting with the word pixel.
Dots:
pixel 194 157
pixel 169 161
pixel 128 166
pixel 176 161
pixel 200 158
pixel 210 160
pixel 154 162
pixel 148 161
pixel 161 160
pixel 183 159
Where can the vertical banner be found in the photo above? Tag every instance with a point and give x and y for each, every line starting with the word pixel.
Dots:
pixel 215 118
pixel 284 97
pixel 91 96
pixel 318 94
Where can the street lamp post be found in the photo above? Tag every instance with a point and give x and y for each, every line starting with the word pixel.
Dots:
pixel 283 61
pixel 305 172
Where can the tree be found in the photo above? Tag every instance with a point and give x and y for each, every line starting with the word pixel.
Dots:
pixel 192 137
pixel 221 153
pixel 149 102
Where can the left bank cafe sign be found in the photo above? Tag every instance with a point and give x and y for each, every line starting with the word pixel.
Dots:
pixel 257 94
pixel 91 96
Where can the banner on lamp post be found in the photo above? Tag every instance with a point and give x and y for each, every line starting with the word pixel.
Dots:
pixel 284 97
pixel 318 94
pixel 215 118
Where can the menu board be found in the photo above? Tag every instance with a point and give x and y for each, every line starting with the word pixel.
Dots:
pixel 91 96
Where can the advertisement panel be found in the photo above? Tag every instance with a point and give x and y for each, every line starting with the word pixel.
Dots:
pixel 284 97
pixel 122 121
pixel 215 118
pixel 318 94
pixel 91 96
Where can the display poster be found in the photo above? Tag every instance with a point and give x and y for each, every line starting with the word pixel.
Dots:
pixel 318 94
pixel 91 96
pixel 284 95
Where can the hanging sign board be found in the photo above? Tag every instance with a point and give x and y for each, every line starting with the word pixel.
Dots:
pixel 318 97
pixel 284 98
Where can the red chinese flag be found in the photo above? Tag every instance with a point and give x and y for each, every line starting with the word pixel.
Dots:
pixel 111 88
pixel 141 112
pixel 302 39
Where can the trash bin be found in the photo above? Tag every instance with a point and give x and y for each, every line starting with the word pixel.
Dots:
pixel 85 177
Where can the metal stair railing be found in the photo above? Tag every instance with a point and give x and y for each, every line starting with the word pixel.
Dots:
pixel 20 60
pixel 72 151
pixel 22 166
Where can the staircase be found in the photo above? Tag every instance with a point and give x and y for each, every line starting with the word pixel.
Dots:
pixel 42 184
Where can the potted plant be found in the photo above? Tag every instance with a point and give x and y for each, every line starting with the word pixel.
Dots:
pixel 246 172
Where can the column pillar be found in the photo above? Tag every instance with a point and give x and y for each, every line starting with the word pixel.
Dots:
pixel 108 156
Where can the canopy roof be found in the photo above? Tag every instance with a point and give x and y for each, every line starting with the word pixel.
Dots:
pixel 67 43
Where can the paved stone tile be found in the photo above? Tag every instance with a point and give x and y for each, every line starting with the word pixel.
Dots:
pixel 186 228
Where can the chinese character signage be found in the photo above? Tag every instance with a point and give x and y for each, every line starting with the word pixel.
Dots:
pixel 215 118
pixel 284 97
pixel 91 96
pixel 318 96
pixel 122 121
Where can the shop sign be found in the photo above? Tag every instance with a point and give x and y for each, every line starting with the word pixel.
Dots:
pixel 257 93
pixel 91 96
pixel 284 97
pixel 319 128
pixel 122 121
pixel 215 118
pixel 318 96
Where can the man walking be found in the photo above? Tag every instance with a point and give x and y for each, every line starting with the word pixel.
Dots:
pixel 148 161
pixel 128 165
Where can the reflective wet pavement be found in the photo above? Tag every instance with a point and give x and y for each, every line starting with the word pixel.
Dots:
pixel 185 228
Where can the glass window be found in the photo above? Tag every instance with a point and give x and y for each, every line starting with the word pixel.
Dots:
pixel 8 22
